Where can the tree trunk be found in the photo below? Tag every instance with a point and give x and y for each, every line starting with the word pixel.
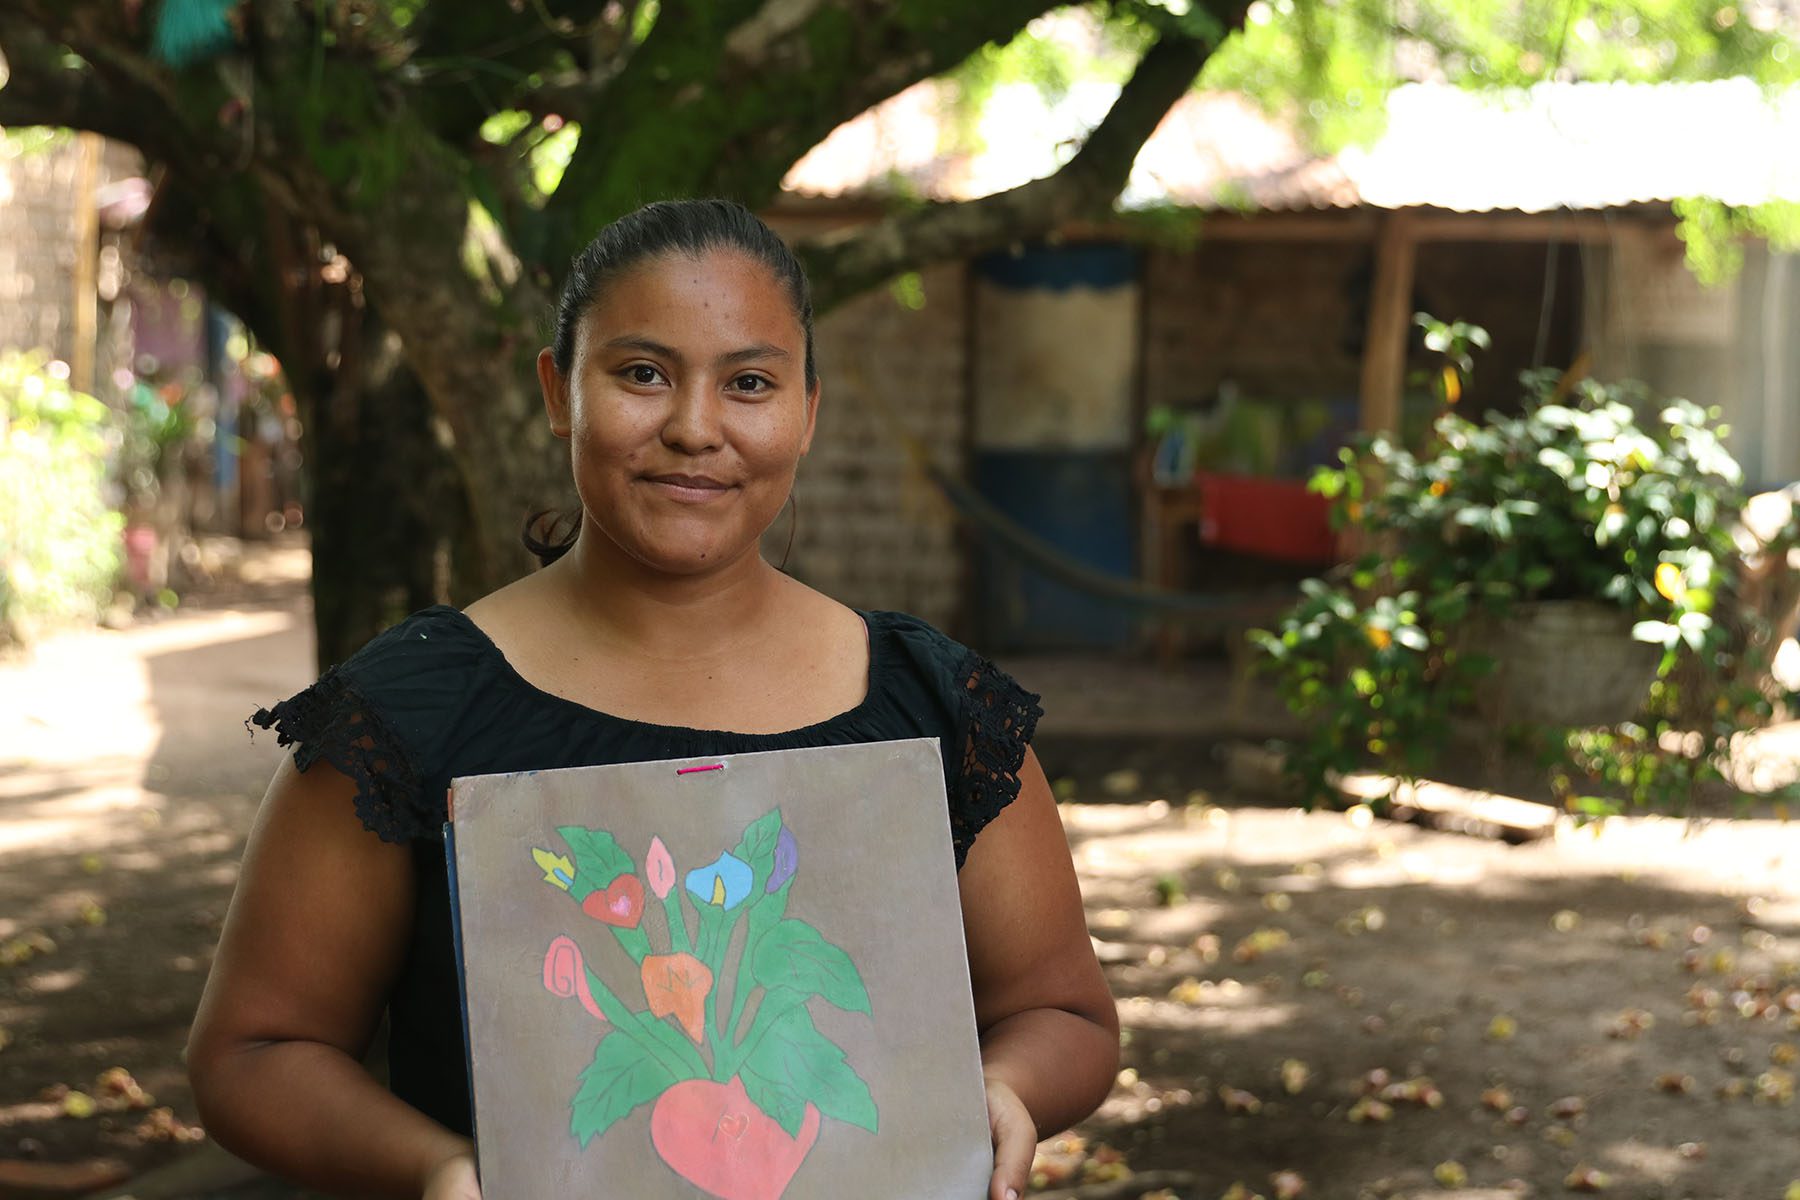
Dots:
pixel 386 508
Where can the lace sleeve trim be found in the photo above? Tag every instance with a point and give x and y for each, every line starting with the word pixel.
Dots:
pixel 331 720
pixel 999 718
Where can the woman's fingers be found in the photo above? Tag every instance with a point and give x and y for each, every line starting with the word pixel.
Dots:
pixel 1015 1142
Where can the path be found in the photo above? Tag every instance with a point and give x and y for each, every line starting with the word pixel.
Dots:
pixel 1653 972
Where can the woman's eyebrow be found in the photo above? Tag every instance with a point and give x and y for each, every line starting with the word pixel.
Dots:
pixel 753 353
pixel 632 341
pixel 760 350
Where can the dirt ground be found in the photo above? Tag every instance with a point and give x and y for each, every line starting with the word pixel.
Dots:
pixel 1326 1001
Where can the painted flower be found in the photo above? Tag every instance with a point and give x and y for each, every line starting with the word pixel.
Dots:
pixel 724 882
pixel 787 859
pixel 678 984
pixel 558 870
pixel 564 975
pixel 659 868
pixel 619 903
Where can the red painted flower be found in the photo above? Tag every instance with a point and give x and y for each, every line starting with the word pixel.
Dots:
pixel 620 902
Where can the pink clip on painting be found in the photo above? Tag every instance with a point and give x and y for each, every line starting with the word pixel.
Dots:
pixel 746 984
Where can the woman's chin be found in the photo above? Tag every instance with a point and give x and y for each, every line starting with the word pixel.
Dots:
pixel 685 557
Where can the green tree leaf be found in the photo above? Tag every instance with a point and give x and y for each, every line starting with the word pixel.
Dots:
pixel 622 1076
pixel 599 859
pixel 793 955
pixel 793 1056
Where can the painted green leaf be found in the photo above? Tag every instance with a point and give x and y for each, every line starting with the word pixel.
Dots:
pixel 766 912
pixel 598 858
pixel 757 847
pixel 674 1043
pixel 622 1076
pixel 794 1055
pixel 793 955
pixel 779 1100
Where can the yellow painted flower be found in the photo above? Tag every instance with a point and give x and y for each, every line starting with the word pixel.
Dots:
pixel 557 868
pixel 1452 385
pixel 1381 639
pixel 1669 583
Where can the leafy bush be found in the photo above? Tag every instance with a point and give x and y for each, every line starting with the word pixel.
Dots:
pixel 1579 497
pixel 59 538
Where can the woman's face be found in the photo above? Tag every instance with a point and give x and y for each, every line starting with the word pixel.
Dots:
pixel 686 408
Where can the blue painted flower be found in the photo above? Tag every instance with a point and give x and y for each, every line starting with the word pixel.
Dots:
pixel 787 859
pixel 724 882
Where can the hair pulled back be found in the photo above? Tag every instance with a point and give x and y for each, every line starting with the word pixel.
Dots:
pixel 667 227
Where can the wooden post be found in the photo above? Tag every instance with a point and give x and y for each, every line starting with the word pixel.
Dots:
pixel 87 263
pixel 1390 322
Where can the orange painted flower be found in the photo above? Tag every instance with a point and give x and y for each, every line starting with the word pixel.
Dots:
pixel 678 984
pixel 1381 639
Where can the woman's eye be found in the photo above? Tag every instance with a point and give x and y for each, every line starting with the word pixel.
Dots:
pixel 754 385
pixel 643 374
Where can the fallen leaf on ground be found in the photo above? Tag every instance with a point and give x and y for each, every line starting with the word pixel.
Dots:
pixel 162 1125
pixel 1294 1075
pixel 1258 943
pixel 1568 1108
pixel 1775 1086
pixel 1587 1179
pixel 1450 1174
pixel 1287 1185
pixel 1502 1028
pixel 1237 1101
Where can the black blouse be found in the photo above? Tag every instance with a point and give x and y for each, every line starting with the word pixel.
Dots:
pixel 433 698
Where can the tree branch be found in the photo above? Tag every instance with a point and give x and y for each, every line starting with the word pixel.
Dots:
pixel 743 88
pixel 842 265
pixel 41 90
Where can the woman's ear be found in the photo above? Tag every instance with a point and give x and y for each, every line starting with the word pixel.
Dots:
pixel 556 392
pixel 812 418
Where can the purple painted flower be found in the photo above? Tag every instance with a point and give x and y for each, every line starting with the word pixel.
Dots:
pixel 787 859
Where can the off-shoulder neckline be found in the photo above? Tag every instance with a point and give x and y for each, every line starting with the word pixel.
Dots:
pixel 873 625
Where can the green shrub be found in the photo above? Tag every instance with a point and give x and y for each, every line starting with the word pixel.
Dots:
pixel 59 538
pixel 1593 492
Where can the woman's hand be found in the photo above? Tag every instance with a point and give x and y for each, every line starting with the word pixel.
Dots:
pixel 453 1179
pixel 1015 1141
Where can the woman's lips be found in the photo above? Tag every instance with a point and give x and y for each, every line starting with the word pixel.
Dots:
pixel 689 489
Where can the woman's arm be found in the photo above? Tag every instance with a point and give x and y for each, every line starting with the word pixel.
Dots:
pixel 1049 1028
pixel 312 942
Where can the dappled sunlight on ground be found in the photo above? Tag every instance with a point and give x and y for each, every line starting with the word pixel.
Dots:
pixel 1361 1002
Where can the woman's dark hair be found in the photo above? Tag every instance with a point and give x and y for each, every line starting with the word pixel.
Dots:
pixel 689 227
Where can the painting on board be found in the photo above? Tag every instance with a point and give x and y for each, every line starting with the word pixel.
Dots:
pixel 741 977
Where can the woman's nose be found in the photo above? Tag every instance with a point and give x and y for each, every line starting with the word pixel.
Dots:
pixel 694 423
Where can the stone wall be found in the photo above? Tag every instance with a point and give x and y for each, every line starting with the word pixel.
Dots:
pixel 39 178
pixel 1284 320
pixel 870 531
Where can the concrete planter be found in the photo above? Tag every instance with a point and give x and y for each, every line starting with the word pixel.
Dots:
pixel 1563 662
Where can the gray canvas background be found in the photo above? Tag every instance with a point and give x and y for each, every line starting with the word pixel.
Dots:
pixel 876 876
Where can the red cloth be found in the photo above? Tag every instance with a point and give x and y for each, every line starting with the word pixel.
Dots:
pixel 1267 518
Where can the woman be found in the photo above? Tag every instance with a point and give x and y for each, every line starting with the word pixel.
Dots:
pixel 682 377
